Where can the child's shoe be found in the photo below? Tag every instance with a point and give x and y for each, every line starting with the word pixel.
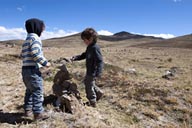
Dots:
pixel 92 104
pixel 40 116
pixel 28 113
pixel 99 95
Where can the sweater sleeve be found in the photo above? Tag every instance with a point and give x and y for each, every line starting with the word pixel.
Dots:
pixel 80 57
pixel 37 53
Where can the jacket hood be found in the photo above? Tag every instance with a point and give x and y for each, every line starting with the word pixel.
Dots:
pixel 34 26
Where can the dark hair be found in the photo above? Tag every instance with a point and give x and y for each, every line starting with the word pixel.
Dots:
pixel 34 25
pixel 89 33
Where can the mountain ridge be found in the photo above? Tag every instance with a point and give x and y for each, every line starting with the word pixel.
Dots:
pixel 123 35
pixel 121 38
pixel 184 41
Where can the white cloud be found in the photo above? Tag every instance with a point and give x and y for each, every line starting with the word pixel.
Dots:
pixel 11 33
pixel 165 36
pixel 104 32
pixel 177 0
pixel 19 9
pixel 57 33
pixel 20 33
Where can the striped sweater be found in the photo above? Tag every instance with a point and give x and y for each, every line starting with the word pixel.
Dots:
pixel 32 53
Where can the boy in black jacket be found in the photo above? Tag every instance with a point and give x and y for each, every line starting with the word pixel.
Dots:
pixel 94 65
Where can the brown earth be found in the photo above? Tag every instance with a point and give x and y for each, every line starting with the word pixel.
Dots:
pixel 136 95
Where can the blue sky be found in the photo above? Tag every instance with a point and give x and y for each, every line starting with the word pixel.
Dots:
pixel 165 18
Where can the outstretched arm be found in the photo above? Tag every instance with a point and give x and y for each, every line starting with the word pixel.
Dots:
pixel 79 57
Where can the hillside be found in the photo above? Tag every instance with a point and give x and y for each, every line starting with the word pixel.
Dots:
pixel 144 87
pixel 118 39
pixel 178 42
pixel 122 39
pixel 136 93
pixel 124 36
pixel 11 42
pixel 68 41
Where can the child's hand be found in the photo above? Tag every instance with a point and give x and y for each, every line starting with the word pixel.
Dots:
pixel 46 71
pixel 48 64
pixel 72 58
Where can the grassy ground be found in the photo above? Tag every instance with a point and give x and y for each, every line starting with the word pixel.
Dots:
pixel 136 95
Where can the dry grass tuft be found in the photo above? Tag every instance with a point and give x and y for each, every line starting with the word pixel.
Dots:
pixel 137 100
pixel 152 114
pixel 171 100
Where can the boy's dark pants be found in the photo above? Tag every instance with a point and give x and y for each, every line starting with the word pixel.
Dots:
pixel 34 90
pixel 91 89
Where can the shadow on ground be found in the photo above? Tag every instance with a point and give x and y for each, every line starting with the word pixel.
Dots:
pixel 18 117
pixel 13 118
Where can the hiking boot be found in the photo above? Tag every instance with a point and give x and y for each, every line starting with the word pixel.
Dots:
pixel 99 95
pixel 57 109
pixel 93 104
pixel 28 113
pixel 40 116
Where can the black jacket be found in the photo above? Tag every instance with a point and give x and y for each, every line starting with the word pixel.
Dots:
pixel 94 60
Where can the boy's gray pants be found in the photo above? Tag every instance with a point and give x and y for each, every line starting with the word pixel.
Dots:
pixel 91 89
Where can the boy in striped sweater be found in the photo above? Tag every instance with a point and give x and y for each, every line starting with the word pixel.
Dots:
pixel 33 60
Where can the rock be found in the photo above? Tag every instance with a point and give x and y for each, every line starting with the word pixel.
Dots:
pixel 62 61
pixel 68 85
pixel 170 74
pixel 61 75
pixel 131 71
pixel 65 88
pixel 70 104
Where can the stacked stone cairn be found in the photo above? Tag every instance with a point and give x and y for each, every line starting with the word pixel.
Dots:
pixel 66 91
